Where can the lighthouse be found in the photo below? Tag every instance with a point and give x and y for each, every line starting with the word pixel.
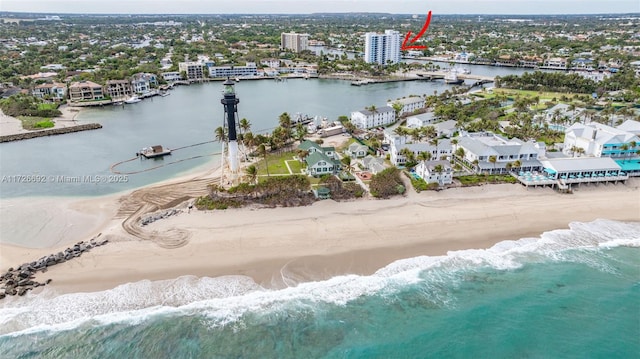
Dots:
pixel 230 102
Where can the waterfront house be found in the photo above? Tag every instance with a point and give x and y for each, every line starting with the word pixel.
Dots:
pixel 119 89
pixel 250 70
pixel 439 172
pixel 319 164
pixel 171 76
pixel 409 104
pixel 85 91
pixel 51 91
pixel 490 153
pixel 357 150
pixel 143 82
pixel 598 140
pixel 275 63
pixel 443 149
pixel 373 117
pixel 559 63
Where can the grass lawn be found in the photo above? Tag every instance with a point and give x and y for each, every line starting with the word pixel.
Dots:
pixel 47 106
pixel 35 123
pixel 277 164
pixel 544 96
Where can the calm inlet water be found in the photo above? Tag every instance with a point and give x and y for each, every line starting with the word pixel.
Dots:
pixel 568 294
pixel 187 117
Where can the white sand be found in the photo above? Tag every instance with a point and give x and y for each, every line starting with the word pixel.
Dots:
pixel 11 125
pixel 321 240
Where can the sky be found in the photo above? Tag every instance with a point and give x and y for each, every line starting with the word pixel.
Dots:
pixel 311 6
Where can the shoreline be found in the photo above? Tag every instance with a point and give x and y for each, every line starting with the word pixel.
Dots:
pixel 327 238
pixel 10 126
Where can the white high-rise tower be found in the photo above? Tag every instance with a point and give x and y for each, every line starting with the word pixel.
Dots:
pixel 382 48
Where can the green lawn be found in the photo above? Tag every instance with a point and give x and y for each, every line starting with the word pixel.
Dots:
pixel 47 106
pixel 35 123
pixel 277 164
pixel 542 94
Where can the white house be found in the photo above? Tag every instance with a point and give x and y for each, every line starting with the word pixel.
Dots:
pixel 421 120
pixel 373 164
pixel 446 128
pixel 53 91
pixel 409 104
pixel 598 140
pixel 356 150
pixel 171 76
pixel 275 63
pixel 481 148
pixel 439 172
pixel 382 116
pixel 442 149
pixel 142 82
pixel 555 63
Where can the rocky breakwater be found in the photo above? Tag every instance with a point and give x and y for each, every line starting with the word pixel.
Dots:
pixel 50 132
pixel 21 280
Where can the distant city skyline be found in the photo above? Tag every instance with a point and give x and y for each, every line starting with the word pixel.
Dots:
pixel 515 7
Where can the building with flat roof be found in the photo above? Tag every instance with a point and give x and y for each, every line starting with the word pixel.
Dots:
pixel 294 42
pixel 85 91
pixel 382 49
pixel 251 69
pixel 598 140
pixel 192 69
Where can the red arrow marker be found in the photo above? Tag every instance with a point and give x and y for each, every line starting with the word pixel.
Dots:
pixel 422 31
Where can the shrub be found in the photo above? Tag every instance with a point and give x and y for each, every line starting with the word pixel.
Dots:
pixel 386 183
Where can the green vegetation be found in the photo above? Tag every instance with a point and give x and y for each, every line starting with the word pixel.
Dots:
pixel 25 105
pixel 341 190
pixel 476 180
pixel 277 165
pixel 284 191
pixel 386 183
pixel 418 183
pixel 35 123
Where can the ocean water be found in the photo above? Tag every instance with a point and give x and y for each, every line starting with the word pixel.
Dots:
pixel 572 293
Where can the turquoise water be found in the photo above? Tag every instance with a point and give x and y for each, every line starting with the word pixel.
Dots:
pixel 568 294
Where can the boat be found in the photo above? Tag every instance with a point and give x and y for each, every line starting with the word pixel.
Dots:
pixel 118 103
pixel 164 94
pixel 133 99
pixel 154 151
pixel 451 78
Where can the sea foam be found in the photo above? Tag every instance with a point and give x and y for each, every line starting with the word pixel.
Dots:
pixel 224 300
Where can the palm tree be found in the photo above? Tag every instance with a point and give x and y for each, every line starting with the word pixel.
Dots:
pixel 493 159
pixel 263 152
pixel 623 149
pixel 346 160
pixel 516 164
pixel 251 173
pixel 508 166
pixel 424 156
pixel 245 125
pixel 220 134
pixel 301 132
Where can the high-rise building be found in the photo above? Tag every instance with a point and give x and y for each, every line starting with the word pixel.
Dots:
pixel 293 41
pixel 382 48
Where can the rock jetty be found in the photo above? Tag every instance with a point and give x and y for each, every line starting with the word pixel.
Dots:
pixel 159 215
pixel 20 280
pixel 50 132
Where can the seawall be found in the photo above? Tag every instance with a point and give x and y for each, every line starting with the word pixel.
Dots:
pixel 49 132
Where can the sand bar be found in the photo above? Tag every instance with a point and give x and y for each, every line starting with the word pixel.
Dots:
pixel 283 246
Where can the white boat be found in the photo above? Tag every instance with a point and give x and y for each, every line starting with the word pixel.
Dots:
pixel 133 99
pixel 164 94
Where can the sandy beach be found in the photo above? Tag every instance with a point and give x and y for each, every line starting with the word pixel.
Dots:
pixel 11 125
pixel 284 246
